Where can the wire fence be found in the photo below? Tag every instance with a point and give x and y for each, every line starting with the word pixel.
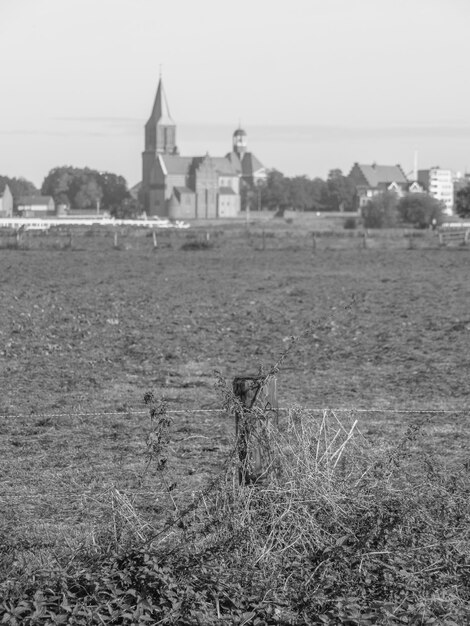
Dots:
pixel 79 495
pixel 263 236
pixel 308 409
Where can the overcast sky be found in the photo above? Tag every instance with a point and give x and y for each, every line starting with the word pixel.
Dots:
pixel 317 84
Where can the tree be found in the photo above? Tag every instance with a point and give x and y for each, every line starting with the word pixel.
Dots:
pixel 85 188
pixel 419 209
pixel 381 211
pixel 19 187
pixel 115 191
pixel 128 209
pixel 299 192
pixel 89 193
pixel 58 184
pixel 275 192
pixel 462 202
pixel 340 192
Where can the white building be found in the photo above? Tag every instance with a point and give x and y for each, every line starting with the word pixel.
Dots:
pixel 439 184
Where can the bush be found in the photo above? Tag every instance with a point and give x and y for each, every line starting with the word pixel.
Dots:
pixel 381 211
pixel 350 223
pixel 197 244
pixel 420 210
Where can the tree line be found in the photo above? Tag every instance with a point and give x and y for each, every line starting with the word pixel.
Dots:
pixel 86 188
pixel 80 188
pixel 280 192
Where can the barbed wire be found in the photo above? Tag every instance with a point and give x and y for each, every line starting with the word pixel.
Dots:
pixel 351 409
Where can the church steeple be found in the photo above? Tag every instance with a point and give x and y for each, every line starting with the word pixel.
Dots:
pixel 160 130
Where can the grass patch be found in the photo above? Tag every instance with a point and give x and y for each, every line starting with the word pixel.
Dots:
pixel 336 532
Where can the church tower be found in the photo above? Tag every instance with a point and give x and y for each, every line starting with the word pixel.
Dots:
pixel 160 138
pixel 239 142
pixel 160 130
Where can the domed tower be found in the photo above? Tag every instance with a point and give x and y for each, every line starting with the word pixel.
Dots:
pixel 239 140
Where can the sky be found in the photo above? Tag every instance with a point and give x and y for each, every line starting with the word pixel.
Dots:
pixel 316 84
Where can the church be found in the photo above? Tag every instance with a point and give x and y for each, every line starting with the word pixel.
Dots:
pixel 201 187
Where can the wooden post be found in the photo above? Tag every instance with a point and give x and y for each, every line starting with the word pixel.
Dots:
pixel 263 241
pixel 70 239
pixel 258 400
pixel 115 239
pixel 314 242
pixel 208 236
pixel 154 239
pixel 364 239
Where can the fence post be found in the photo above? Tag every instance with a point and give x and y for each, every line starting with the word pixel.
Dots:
pixel 263 241
pixel 314 242
pixel 250 425
pixel 18 237
pixel 154 239
pixel 115 239
pixel 364 239
pixel 70 239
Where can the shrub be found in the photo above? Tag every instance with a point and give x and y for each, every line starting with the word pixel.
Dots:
pixel 350 223
pixel 420 210
pixel 381 211
pixel 197 244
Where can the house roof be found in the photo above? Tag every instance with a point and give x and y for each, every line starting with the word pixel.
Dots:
pixel 377 175
pixel 35 200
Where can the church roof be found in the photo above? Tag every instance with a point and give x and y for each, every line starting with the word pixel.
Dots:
pixel 183 190
pixel 250 164
pixel 176 164
pixel 161 111
pixel 226 191
pixel 223 165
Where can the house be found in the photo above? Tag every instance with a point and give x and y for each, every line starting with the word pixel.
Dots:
pixel 36 206
pixel 439 184
pixel 185 187
pixel 371 180
pixel 6 201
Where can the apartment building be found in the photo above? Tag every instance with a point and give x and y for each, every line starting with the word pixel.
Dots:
pixel 439 184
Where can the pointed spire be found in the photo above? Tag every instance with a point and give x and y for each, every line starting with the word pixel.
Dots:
pixel 161 110
pixel 160 129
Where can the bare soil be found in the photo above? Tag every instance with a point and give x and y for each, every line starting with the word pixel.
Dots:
pixel 85 332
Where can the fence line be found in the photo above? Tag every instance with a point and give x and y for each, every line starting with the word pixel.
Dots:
pixel 220 410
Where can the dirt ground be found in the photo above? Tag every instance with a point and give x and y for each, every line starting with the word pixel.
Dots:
pixel 85 332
